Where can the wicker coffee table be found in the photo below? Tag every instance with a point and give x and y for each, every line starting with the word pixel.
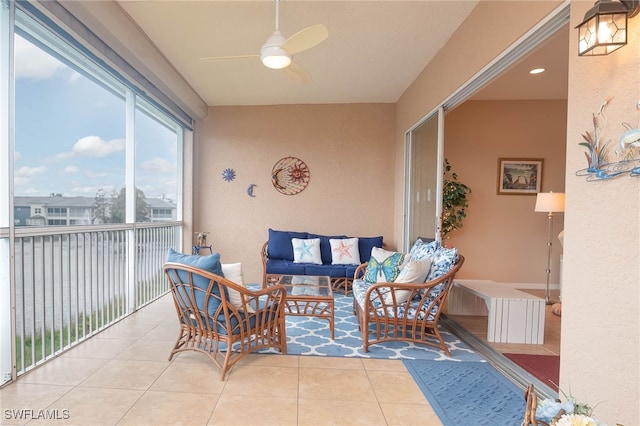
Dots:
pixel 310 296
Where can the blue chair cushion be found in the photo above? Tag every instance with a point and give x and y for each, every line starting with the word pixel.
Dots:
pixel 279 245
pixel 366 244
pixel 411 311
pixel 325 246
pixel 284 267
pixel 209 263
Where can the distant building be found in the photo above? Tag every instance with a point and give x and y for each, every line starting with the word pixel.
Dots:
pixel 56 210
pixel 161 210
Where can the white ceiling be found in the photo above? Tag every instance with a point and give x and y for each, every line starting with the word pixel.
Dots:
pixel 374 51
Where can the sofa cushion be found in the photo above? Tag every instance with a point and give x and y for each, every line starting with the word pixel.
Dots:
pixel 344 251
pixel 279 245
pixel 209 263
pixel 333 271
pixel 284 267
pixel 306 250
pixel 366 244
pixel 384 265
pixel 325 246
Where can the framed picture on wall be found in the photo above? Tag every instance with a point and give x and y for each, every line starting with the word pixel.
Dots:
pixel 519 176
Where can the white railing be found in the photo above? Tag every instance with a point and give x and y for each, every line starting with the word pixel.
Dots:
pixel 71 282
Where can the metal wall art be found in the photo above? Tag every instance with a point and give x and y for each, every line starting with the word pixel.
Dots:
pixel 290 176
pixel 627 150
pixel 228 175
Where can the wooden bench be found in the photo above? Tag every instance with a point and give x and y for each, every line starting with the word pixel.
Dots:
pixel 514 316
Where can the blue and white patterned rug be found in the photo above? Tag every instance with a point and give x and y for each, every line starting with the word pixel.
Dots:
pixel 311 336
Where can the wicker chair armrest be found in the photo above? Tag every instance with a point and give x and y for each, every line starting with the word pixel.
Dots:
pixel 360 271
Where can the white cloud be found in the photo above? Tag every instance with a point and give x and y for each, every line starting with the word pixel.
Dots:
pixel 94 146
pixel 71 169
pixel 19 181
pixel 25 172
pixel 92 174
pixel 158 165
pixel 91 146
pixel 32 62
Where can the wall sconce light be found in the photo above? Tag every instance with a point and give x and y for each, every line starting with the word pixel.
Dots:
pixel 604 28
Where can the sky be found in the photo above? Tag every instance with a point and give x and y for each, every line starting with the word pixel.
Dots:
pixel 70 134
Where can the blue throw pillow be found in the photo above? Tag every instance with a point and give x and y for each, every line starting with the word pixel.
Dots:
pixel 208 263
pixel 366 244
pixel 279 246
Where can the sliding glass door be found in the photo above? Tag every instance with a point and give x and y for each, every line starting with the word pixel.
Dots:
pixel 423 179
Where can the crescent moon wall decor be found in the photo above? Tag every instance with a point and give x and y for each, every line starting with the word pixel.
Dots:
pixel 290 175
pixel 250 189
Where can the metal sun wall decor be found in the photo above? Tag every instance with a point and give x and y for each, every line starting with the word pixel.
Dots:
pixel 627 151
pixel 228 175
pixel 290 175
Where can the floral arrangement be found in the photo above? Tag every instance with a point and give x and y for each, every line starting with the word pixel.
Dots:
pixel 573 413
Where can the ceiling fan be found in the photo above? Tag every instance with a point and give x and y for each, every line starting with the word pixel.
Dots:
pixel 277 52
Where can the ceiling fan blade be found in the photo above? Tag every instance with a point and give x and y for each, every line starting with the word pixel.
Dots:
pixel 227 58
pixel 306 38
pixel 296 72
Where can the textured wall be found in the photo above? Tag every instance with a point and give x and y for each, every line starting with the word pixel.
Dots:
pixel 601 281
pixel 349 151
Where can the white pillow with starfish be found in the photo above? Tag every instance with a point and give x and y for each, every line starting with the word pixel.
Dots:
pixel 306 250
pixel 344 251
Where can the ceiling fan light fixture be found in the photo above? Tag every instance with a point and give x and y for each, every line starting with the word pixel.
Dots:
pixel 272 54
pixel 275 60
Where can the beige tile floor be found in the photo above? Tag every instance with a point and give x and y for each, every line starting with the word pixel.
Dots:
pixel 122 377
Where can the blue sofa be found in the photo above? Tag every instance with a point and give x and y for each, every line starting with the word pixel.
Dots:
pixel 278 258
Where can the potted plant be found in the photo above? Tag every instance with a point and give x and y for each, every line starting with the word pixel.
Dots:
pixel 454 201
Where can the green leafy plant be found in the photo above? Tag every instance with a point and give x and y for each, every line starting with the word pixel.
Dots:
pixel 454 201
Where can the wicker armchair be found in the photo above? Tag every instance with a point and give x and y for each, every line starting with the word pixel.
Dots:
pixel 211 324
pixel 381 317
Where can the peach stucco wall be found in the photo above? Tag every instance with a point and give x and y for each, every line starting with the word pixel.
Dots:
pixel 601 313
pixel 349 151
pixel 477 133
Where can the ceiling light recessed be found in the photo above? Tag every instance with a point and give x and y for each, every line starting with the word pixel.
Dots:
pixel 537 70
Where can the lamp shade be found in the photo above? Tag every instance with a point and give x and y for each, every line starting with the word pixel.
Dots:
pixel 550 202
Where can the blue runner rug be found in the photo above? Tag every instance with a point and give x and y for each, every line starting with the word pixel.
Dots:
pixel 311 336
pixel 468 393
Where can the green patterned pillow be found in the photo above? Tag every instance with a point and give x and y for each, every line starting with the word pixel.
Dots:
pixel 384 266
